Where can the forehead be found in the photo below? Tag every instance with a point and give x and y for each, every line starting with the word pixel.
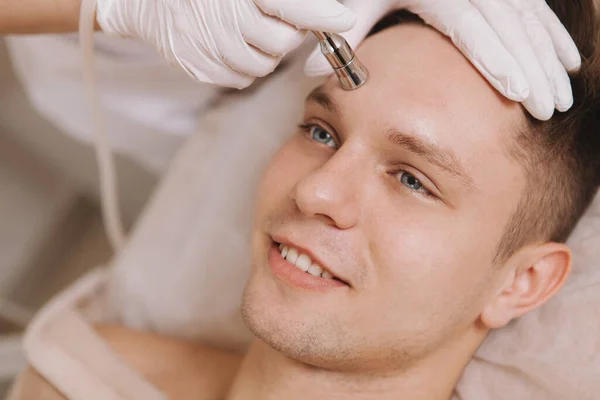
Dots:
pixel 421 84
pixel 413 64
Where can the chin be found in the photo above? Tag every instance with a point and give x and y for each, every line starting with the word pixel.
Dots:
pixel 308 338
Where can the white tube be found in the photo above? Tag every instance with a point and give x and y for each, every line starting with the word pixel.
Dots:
pixel 109 197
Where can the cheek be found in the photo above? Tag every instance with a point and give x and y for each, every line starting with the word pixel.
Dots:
pixel 428 258
pixel 289 165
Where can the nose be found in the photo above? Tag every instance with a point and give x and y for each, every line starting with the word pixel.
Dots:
pixel 332 192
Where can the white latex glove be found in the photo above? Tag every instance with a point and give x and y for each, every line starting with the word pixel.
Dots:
pixel 520 46
pixel 225 42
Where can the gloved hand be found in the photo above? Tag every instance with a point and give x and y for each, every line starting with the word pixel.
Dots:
pixel 520 46
pixel 225 42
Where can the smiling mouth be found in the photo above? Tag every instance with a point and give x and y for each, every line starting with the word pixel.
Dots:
pixel 304 263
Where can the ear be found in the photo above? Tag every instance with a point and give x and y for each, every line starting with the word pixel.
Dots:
pixel 533 275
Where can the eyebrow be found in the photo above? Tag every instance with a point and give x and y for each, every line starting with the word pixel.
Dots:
pixel 322 98
pixel 445 160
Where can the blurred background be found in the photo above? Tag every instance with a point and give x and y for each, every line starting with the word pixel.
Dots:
pixel 50 226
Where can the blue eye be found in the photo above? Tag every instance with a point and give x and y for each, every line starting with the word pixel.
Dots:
pixel 411 182
pixel 320 135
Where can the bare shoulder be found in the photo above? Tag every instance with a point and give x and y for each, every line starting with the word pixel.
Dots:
pixel 181 369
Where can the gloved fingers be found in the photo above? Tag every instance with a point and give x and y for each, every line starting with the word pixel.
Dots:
pixel 242 57
pixel 555 71
pixel 269 34
pixel 251 61
pixel 109 18
pixel 506 22
pixel 202 63
pixel 214 72
pixel 565 47
pixel 481 44
pixel 367 15
pixel 316 15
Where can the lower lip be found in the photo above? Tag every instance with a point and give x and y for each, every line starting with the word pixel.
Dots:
pixel 295 277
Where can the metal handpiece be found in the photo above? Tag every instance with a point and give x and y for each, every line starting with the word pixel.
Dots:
pixel 349 70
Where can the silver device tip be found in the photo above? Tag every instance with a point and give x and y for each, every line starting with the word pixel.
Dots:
pixel 351 73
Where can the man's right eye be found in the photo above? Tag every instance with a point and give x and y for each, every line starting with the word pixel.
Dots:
pixel 320 134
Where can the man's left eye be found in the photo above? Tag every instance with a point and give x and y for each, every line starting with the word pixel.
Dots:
pixel 411 182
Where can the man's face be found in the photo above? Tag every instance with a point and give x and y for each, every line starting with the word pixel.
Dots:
pixel 402 190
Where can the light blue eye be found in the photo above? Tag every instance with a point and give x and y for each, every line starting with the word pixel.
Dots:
pixel 320 135
pixel 411 182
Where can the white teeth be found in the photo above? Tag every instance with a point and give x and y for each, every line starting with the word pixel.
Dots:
pixel 326 275
pixel 315 270
pixel 303 262
pixel 292 256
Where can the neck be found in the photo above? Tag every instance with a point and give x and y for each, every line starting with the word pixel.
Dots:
pixel 267 374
